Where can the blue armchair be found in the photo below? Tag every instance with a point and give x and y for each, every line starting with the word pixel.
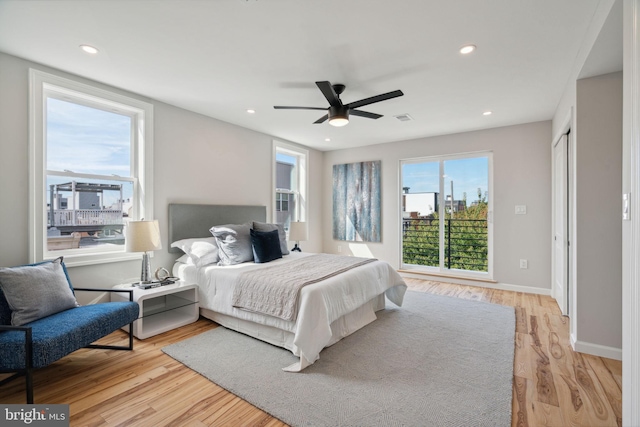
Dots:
pixel 41 342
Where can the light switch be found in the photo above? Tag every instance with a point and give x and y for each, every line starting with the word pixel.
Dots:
pixel 521 209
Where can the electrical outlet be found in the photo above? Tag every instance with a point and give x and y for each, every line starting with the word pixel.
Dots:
pixel 339 248
pixel 524 263
pixel 521 209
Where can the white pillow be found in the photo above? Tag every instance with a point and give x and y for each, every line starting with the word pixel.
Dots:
pixel 201 250
pixel 185 259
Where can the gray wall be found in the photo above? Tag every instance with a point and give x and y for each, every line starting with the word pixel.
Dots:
pixel 197 160
pixel 598 225
pixel 521 176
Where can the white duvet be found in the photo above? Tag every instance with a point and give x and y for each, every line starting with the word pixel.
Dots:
pixel 320 303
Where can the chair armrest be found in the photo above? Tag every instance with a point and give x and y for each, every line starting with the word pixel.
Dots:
pixel 130 291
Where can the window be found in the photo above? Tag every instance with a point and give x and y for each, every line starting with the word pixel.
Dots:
pixel 290 183
pixel 90 170
pixel 446 221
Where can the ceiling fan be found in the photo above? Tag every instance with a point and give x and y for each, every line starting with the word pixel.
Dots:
pixel 337 112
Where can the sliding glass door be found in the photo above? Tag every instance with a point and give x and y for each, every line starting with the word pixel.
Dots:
pixel 446 214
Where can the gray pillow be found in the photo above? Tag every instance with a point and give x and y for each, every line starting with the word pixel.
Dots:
pixel 263 226
pixel 36 291
pixel 234 243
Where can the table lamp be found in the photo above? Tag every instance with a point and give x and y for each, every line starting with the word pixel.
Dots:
pixel 143 236
pixel 297 233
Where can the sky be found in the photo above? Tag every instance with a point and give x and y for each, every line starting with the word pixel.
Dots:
pixel 88 140
pixel 467 174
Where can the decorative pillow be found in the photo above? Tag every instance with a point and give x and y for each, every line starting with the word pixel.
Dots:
pixel 263 226
pixel 202 250
pixel 266 245
pixel 36 291
pixel 234 243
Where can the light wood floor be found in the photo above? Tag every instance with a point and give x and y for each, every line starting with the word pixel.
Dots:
pixel 553 385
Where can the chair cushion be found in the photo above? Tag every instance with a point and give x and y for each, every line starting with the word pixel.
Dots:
pixel 36 291
pixel 62 333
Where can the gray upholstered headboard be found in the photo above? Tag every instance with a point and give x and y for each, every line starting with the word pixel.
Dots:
pixel 188 220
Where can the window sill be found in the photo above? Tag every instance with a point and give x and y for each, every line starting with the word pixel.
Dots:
pixel 77 260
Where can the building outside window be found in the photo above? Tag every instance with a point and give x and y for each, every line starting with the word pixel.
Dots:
pixel 290 176
pixel 91 169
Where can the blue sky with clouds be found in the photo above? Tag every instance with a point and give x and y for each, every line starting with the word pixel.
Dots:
pixel 467 174
pixel 88 140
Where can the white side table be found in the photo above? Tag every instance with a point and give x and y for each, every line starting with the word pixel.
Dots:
pixel 163 308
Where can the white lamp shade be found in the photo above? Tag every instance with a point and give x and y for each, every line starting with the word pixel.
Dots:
pixel 298 231
pixel 143 236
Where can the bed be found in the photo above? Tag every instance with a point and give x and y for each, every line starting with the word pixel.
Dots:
pixel 325 311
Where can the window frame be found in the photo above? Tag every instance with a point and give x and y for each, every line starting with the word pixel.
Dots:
pixel 44 85
pixel 302 177
pixel 440 270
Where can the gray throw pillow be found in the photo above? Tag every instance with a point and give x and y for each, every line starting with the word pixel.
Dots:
pixel 282 235
pixel 234 243
pixel 36 291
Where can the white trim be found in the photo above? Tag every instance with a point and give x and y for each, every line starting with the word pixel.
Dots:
pixel 596 349
pixel 42 85
pixel 631 229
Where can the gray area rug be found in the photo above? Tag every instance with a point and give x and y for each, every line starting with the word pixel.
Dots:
pixel 436 361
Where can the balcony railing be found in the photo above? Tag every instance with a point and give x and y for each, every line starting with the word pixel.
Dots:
pixel 465 243
pixel 67 217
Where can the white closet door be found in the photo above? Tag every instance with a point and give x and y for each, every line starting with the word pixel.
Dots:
pixel 560 229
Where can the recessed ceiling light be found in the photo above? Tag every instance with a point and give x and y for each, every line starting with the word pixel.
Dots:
pixel 251 111
pixel 467 49
pixel 89 49
pixel 487 113
pixel 327 139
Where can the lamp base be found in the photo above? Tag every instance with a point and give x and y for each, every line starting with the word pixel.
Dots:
pixel 145 274
pixel 141 284
pixel 296 248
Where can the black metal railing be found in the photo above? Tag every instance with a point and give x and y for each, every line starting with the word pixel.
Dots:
pixel 465 243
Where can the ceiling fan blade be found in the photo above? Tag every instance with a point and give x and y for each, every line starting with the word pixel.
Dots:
pixel 364 114
pixel 321 119
pixel 329 93
pixel 376 98
pixel 280 107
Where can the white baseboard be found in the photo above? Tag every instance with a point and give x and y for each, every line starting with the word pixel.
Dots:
pixel 477 282
pixel 525 289
pixel 596 349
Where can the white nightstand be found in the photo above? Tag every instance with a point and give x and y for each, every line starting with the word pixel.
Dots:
pixel 163 308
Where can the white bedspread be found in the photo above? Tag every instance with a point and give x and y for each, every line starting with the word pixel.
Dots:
pixel 320 303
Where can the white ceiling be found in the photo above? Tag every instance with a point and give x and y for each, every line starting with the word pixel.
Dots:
pixel 221 57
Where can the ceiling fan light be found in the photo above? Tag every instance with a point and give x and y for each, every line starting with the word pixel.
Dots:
pixel 338 115
pixel 338 121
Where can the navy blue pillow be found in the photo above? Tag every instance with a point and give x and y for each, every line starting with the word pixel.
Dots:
pixel 266 245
